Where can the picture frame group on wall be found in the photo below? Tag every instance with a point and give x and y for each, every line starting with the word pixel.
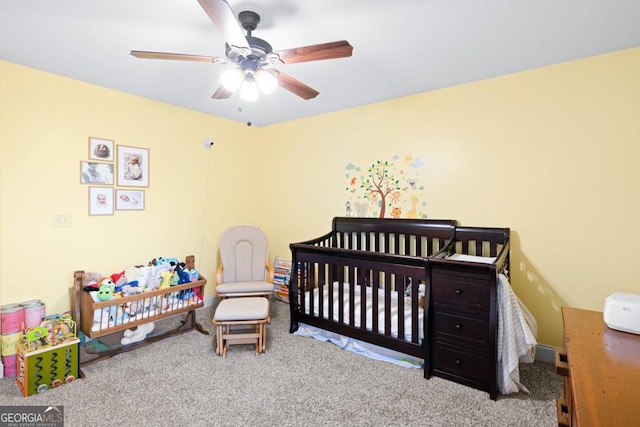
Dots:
pixel 110 165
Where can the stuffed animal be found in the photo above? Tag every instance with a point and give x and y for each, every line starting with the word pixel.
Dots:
pixel 116 314
pixel 190 262
pixel 132 273
pixel 130 290
pixel 106 289
pixel 143 277
pixel 165 280
pixel 92 277
pixel 174 279
pixel 164 260
pixel 138 334
pixel 183 275
pixel 190 268
pixel 133 308
pixel 193 275
pixel 119 279
pixel 108 317
pixel 152 277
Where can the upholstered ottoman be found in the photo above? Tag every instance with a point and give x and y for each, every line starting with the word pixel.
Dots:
pixel 241 321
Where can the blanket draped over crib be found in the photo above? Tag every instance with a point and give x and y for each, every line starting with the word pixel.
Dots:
pixel 363 286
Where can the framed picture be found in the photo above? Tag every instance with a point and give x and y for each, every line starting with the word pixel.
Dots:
pixel 100 201
pixel 130 200
pixel 133 166
pixel 96 173
pixel 101 149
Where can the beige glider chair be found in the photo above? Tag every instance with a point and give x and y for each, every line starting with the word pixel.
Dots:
pixel 244 268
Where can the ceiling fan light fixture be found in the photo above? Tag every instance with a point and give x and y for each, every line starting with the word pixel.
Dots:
pixel 247 55
pixel 249 91
pixel 266 81
pixel 232 79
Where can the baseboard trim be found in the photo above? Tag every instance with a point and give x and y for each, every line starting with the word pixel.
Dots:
pixel 209 301
pixel 545 353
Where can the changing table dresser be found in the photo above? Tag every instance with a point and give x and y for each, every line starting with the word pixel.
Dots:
pixel 602 372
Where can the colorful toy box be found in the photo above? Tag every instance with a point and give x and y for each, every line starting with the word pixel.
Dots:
pixel 40 370
pixel 48 355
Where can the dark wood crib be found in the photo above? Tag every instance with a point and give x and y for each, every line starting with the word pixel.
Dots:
pixel 394 267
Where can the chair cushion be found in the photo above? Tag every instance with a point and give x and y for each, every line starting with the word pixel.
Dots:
pixel 238 287
pixel 243 252
pixel 245 308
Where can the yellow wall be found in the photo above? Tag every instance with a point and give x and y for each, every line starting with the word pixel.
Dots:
pixel 45 122
pixel 548 152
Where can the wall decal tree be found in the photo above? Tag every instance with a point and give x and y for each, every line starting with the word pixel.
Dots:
pixel 386 188
pixel 380 182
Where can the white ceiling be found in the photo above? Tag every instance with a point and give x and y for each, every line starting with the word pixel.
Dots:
pixel 401 47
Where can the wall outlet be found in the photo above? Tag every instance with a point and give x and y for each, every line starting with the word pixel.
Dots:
pixel 62 220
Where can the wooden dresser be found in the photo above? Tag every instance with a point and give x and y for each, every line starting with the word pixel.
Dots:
pixel 464 326
pixel 602 372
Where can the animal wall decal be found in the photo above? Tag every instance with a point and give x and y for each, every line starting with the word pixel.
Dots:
pixel 386 189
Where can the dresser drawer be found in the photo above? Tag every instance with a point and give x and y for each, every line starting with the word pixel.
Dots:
pixel 461 328
pixel 461 363
pixel 460 291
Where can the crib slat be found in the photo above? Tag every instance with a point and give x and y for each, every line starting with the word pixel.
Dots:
pixel 399 280
pixel 387 304
pixel 375 304
pixel 363 297
pixel 415 298
pixel 305 286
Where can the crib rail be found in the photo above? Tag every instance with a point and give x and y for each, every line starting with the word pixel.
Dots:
pixel 344 275
pixel 324 240
pixel 480 241
pixel 420 238
pixel 483 242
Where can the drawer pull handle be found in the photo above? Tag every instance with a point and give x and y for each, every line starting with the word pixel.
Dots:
pixel 458 291
pixel 459 362
pixel 458 325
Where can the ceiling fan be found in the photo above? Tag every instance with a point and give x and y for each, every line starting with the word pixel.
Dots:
pixel 251 56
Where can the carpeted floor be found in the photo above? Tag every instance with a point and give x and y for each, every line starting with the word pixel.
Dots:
pixel 298 382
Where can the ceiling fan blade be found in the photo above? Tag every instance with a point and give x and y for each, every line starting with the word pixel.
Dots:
pixel 223 17
pixel 316 52
pixel 221 93
pixel 175 56
pixel 295 86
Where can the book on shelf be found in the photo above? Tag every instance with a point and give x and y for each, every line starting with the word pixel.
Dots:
pixel 281 275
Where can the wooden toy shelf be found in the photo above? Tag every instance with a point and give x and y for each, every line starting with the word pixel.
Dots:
pixel 85 311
